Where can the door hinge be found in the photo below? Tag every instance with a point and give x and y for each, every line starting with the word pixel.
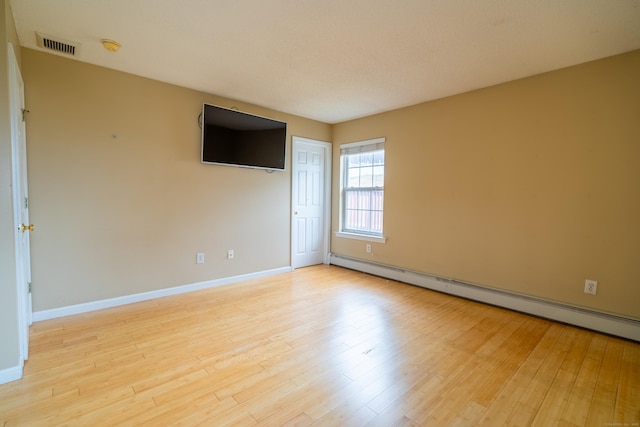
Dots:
pixel 29 287
pixel 24 112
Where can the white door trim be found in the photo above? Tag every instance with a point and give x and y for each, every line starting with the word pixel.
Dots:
pixel 326 233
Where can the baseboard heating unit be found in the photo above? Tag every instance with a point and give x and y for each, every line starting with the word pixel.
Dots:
pixel 595 320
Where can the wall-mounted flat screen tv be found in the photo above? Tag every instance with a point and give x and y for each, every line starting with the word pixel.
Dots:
pixel 234 138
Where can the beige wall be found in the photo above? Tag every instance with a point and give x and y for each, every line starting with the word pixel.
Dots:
pixel 120 200
pixel 9 338
pixel 531 186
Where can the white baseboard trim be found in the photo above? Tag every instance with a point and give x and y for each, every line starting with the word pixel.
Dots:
pixel 128 299
pixel 10 374
pixel 598 321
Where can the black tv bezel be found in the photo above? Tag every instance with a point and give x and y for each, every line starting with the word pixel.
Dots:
pixel 244 116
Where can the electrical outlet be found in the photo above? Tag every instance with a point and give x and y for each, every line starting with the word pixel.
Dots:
pixel 368 248
pixel 230 254
pixel 200 258
pixel 590 287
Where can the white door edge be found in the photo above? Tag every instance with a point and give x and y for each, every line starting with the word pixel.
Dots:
pixel 19 184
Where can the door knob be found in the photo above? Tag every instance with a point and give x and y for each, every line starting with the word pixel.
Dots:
pixel 24 227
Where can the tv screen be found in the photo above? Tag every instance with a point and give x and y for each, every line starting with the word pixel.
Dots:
pixel 234 138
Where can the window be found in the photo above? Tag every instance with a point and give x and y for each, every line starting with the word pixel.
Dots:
pixel 362 188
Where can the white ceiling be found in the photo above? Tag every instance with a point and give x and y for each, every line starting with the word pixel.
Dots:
pixel 335 60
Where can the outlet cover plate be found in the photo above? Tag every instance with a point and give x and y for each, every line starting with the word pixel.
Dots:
pixel 590 287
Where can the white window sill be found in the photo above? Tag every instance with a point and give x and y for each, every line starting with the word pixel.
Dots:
pixel 364 237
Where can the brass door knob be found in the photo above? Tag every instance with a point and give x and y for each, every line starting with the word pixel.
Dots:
pixel 24 227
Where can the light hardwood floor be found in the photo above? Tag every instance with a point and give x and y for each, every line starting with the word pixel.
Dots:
pixel 321 346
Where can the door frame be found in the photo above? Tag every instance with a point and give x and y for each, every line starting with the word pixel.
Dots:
pixel 326 232
pixel 19 183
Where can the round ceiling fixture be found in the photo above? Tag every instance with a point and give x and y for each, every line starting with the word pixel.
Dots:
pixel 110 45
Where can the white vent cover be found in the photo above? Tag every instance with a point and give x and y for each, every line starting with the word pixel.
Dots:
pixel 57 44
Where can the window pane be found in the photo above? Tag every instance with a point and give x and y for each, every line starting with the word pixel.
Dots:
pixel 377 199
pixel 353 178
pixel 378 176
pixel 353 160
pixel 378 157
pixel 366 177
pixel 376 222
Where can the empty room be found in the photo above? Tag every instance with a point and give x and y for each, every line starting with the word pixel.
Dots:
pixel 331 213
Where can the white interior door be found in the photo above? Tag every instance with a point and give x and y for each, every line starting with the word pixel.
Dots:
pixel 311 172
pixel 23 227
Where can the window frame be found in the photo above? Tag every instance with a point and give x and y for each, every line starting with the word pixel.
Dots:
pixel 369 145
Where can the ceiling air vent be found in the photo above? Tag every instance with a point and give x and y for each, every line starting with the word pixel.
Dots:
pixel 57 44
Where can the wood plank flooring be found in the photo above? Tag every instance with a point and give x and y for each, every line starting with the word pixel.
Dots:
pixel 321 346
